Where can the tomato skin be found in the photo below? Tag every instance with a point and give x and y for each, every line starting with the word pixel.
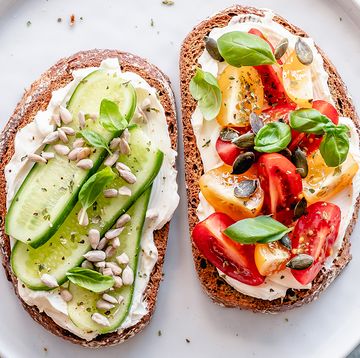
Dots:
pixel 281 183
pixel 234 259
pixel 314 234
pixel 227 151
pixel 327 109
pixel 280 111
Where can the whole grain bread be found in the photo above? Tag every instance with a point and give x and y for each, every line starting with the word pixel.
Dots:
pixel 37 98
pixel 218 290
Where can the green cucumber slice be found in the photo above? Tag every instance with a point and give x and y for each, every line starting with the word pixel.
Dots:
pixel 65 249
pixel 50 190
pixel 83 303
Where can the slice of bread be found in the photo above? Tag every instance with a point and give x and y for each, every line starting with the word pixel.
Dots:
pixel 219 291
pixel 37 98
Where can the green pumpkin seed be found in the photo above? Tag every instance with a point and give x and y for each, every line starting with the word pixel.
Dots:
pixel 256 122
pixel 303 52
pixel 228 134
pixel 300 162
pixel 300 262
pixel 286 241
pixel 281 48
pixel 243 163
pixel 212 47
pixel 245 188
pixel 286 153
pixel 300 208
pixel 245 140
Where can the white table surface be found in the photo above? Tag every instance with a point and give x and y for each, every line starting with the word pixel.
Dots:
pixel 326 328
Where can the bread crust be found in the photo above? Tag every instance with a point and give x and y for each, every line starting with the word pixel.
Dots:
pixel 214 286
pixel 37 98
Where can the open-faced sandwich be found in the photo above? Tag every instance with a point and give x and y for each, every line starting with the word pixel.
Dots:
pixel 88 186
pixel 272 161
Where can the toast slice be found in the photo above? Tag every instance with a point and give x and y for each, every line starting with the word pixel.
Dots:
pixel 37 98
pixel 216 288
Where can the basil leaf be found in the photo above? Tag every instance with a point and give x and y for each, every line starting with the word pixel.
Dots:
pixel 260 229
pixel 110 116
pixel 309 120
pixel 334 147
pixel 243 49
pixel 90 279
pixel 95 139
pixel 205 89
pixel 273 137
pixel 94 186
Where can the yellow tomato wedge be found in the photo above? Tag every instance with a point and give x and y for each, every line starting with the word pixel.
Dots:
pixel 217 186
pixel 322 182
pixel 242 93
pixel 271 258
pixel 298 81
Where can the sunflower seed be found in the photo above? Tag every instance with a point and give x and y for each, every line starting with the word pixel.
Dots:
pixel 68 131
pixel 120 299
pixel 102 243
pixel 124 190
pixel 123 220
pixel 111 234
pixel 111 159
pixel 74 153
pixel 36 158
pixel 100 319
pixel 300 262
pixel 281 48
pixel 127 276
pixel 93 117
pixel 81 117
pixel 100 264
pixel 63 136
pixel 124 147
pixel 51 138
pixel 110 251
pixel 118 281
pixel 245 188
pixel 83 218
pixel 114 143
pixel 300 208
pixel 55 119
pixel 109 298
pixel 49 281
pixel 127 176
pixel 115 242
pixel 126 135
pixel 110 193
pixel 66 295
pixel 87 264
pixel 95 256
pixel 61 149
pixel 48 155
pixel 212 49
pixel 228 134
pixel 303 52
pixel 114 267
pixel 83 153
pixel 123 259
pixel 78 143
pixel 85 164
pixel 256 122
pixel 107 271
pixel 65 115
pixel 122 166
pixel 243 163
pixel 94 238
pixel 104 305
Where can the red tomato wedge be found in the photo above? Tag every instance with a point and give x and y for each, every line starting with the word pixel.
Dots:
pixel 234 259
pixel 314 234
pixel 227 151
pixel 281 183
pixel 280 111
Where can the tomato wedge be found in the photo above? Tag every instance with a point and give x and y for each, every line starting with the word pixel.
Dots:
pixel 280 181
pixel 314 234
pixel 280 111
pixel 234 259
pixel 227 151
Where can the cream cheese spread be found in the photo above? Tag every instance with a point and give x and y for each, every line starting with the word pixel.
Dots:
pixel 163 201
pixel 207 131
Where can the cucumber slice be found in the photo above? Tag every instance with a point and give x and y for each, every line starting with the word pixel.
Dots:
pixel 50 190
pixel 83 304
pixel 65 249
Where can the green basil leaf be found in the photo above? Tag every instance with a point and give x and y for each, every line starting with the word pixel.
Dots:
pixel 95 139
pixel 334 147
pixel 110 116
pixel 260 229
pixel 243 49
pixel 205 89
pixel 308 120
pixel 90 279
pixel 273 137
pixel 94 186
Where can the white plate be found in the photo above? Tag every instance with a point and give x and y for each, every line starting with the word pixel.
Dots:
pixel 326 328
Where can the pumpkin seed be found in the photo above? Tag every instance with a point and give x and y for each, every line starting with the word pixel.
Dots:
pixel 300 161
pixel 245 140
pixel 303 52
pixel 286 241
pixel 228 134
pixel 300 262
pixel 286 153
pixel 281 48
pixel 245 188
pixel 243 163
pixel 300 208
pixel 256 122
pixel 212 47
